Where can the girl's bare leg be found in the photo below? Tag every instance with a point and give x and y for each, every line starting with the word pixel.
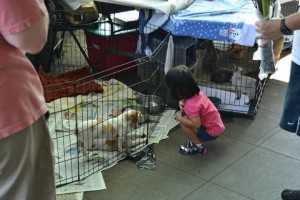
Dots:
pixel 191 134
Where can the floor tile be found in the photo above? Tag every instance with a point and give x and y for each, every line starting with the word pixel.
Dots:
pixel 260 175
pixel 252 131
pixel 210 191
pixel 126 182
pixel 285 143
pixel 220 154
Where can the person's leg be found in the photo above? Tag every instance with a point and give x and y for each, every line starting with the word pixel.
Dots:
pixel 291 110
pixel 26 164
pixel 44 176
pixel 196 144
pixel 190 134
pixel 290 119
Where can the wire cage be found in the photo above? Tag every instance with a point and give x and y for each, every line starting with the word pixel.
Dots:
pixel 184 54
pixel 213 64
pixel 94 96
pixel 228 72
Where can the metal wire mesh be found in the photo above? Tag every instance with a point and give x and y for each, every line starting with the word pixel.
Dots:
pixel 87 97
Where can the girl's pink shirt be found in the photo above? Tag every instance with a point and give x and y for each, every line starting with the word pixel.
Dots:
pixel 200 105
pixel 22 101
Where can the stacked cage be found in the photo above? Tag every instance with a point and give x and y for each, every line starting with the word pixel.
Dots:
pixel 101 111
pixel 226 72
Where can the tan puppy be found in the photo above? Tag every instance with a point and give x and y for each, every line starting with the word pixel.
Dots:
pixel 116 133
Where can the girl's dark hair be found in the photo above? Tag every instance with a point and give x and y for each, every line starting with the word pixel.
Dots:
pixel 181 82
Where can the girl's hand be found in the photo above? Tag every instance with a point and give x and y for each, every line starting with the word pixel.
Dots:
pixel 181 105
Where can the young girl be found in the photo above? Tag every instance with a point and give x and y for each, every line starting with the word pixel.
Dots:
pixel 199 119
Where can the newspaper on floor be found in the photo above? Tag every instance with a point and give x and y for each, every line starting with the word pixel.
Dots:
pixel 92 183
pixel 70 196
pixel 166 123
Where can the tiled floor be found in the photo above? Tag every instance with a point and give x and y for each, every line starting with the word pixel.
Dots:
pixel 253 159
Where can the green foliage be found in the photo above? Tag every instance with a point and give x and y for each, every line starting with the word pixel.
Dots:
pixel 263 6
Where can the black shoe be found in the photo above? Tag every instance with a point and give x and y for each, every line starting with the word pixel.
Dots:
pixel 290 194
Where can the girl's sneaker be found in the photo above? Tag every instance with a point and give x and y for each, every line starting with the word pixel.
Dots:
pixel 192 149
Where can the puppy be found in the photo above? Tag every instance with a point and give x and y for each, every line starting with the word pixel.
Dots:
pixel 113 134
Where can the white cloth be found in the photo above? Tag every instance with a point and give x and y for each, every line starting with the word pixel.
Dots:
pixel 284 1
pixel 163 9
pixel 157 20
pixel 169 55
pixel 164 6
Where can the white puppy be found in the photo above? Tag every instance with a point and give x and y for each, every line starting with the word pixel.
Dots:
pixel 116 133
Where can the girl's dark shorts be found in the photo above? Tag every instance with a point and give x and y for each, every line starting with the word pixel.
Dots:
pixel 203 135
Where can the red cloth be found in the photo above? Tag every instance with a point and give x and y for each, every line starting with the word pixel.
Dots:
pixel 78 81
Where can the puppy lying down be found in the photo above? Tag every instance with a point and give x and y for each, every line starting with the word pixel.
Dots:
pixel 115 134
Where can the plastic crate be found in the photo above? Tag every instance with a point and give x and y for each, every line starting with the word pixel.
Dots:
pixel 105 49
